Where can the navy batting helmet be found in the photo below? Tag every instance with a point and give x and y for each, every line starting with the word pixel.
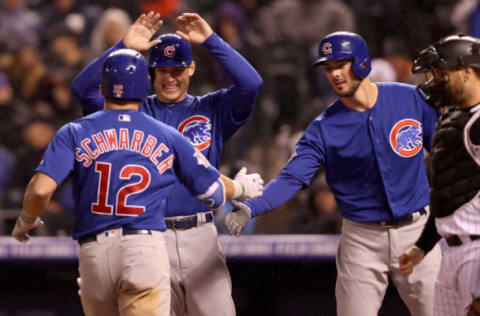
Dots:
pixel 172 51
pixel 346 45
pixel 125 75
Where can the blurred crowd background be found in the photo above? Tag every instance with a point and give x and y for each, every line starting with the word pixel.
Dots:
pixel 44 44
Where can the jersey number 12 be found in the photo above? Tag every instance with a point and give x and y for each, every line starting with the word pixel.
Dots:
pixel 101 206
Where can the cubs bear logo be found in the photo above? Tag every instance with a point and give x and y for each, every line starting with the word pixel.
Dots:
pixel 169 51
pixel 326 48
pixel 197 130
pixel 406 138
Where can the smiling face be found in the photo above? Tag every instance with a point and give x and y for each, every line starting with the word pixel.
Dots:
pixel 171 82
pixel 340 75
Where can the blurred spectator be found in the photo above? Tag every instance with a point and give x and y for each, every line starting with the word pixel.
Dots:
pixel 55 102
pixel 166 8
pixel 318 214
pixel 109 30
pixel 7 161
pixel 25 70
pixel 466 17
pixel 36 136
pixel 65 55
pixel 394 50
pixel 13 115
pixel 18 24
pixel 75 16
pixel 382 71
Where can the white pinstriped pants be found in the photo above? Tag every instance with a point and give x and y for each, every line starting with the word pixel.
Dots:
pixel 458 281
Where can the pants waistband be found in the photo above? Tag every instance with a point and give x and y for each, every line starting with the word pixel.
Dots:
pixel 187 222
pixel 408 219
pixel 456 240
pixel 123 231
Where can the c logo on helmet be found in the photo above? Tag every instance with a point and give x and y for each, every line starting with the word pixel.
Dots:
pixel 326 48
pixel 197 130
pixel 169 51
pixel 406 138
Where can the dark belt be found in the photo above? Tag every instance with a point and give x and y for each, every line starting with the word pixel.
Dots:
pixel 125 231
pixel 454 240
pixel 187 222
pixel 402 220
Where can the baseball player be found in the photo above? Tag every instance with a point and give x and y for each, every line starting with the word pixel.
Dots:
pixel 201 284
pixel 453 65
pixel 124 164
pixel 370 142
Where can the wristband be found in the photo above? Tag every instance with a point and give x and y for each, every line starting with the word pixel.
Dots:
pixel 238 189
pixel 27 218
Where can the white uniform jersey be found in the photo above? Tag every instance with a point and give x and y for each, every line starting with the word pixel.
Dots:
pixel 466 219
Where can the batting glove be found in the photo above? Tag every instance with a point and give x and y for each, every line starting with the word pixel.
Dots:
pixel 247 186
pixel 23 224
pixel 238 218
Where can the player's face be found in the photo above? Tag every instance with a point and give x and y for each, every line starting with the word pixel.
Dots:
pixel 454 80
pixel 171 82
pixel 340 75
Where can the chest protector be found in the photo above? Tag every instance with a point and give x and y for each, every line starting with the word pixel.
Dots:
pixel 455 176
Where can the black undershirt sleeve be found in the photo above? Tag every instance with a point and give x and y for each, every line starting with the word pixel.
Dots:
pixel 429 236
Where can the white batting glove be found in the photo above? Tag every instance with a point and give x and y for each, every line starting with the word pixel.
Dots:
pixel 238 218
pixel 247 186
pixel 23 224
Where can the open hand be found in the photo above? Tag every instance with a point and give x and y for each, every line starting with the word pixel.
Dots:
pixel 193 28
pixel 140 33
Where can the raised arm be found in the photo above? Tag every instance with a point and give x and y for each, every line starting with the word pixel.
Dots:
pixel 247 83
pixel 86 86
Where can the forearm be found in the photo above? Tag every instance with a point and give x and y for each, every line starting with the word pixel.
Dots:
pixel 429 236
pixel 277 192
pixel 38 194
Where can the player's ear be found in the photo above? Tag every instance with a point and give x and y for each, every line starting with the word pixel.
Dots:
pixel 191 69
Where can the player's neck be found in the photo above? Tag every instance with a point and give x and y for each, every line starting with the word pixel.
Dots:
pixel 364 98
pixel 126 106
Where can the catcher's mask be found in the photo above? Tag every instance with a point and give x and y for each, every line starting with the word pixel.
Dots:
pixel 437 59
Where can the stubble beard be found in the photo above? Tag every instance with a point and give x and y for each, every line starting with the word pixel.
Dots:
pixel 351 91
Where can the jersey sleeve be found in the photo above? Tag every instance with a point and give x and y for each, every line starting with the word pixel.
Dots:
pixel 297 174
pixel 236 103
pixel 86 86
pixel 59 158
pixel 191 167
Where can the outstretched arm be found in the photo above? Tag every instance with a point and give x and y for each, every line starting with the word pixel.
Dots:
pixel 86 86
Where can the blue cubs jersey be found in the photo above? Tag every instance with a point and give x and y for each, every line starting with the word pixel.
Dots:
pixel 123 165
pixel 373 160
pixel 206 121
